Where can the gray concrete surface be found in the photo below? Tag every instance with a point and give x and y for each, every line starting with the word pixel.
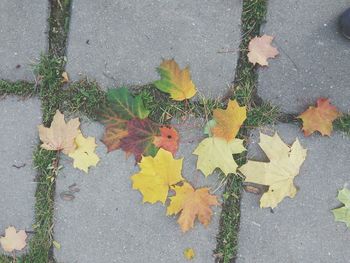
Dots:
pixel 18 139
pixel 23 34
pixel 107 222
pixel 314 57
pixel 300 229
pixel 122 42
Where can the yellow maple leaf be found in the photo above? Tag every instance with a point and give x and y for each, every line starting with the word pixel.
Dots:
pixel 175 81
pixel 13 240
pixel 84 155
pixel 229 121
pixel 192 203
pixel 157 174
pixel 60 136
pixel 279 173
pixel 189 253
pixel 215 152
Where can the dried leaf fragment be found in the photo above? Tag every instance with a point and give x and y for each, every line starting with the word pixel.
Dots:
pixel 192 203
pixel 260 50
pixel 189 253
pixel 60 136
pixel 65 78
pixel 319 118
pixel 175 81
pixel 13 240
pixel 279 173
pixel 157 174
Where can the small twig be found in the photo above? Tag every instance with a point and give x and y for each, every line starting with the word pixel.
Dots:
pixel 222 183
pixel 14 256
pixel 19 166
pixel 59 3
pixel 284 52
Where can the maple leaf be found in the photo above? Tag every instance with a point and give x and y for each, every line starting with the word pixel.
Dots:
pixel 215 152
pixel 319 118
pixel 13 240
pixel 191 203
pixel 229 121
pixel 279 173
pixel 140 137
pixel 189 253
pixel 84 155
pixel 168 139
pixel 260 50
pixel 60 136
pixel 174 81
pixel 342 214
pixel 157 174
pixel 121 107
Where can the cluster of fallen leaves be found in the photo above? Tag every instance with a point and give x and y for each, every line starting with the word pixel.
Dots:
pixel 68 139
pixel 127 127
pixel 154 146
pixel 285 162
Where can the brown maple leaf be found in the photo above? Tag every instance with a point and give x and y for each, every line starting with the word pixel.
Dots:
pixel 260 50
pixel 60 136
pixel 192 203
pixel 319 118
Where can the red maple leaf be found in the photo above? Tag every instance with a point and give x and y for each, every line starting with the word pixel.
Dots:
pixel 140 137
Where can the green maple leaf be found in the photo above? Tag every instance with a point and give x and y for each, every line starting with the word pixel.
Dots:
pixel 121 107
pixel 342 214
pixel 126 105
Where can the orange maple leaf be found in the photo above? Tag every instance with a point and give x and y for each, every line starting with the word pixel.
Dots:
pixel 229 121
pixel 319 118
pixel 260 50
pixel 192 203
pixel 168 139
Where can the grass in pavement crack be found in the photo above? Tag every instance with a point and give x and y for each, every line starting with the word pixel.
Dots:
pixel 18 88
pixel 49 77
pixel 59 26
pixel 259 113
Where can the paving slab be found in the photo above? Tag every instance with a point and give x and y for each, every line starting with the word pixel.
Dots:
pixel 107 222
pixel 300 229
pixel 23 34
pixel 314 57
pixel 18 139
pixel 122 42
